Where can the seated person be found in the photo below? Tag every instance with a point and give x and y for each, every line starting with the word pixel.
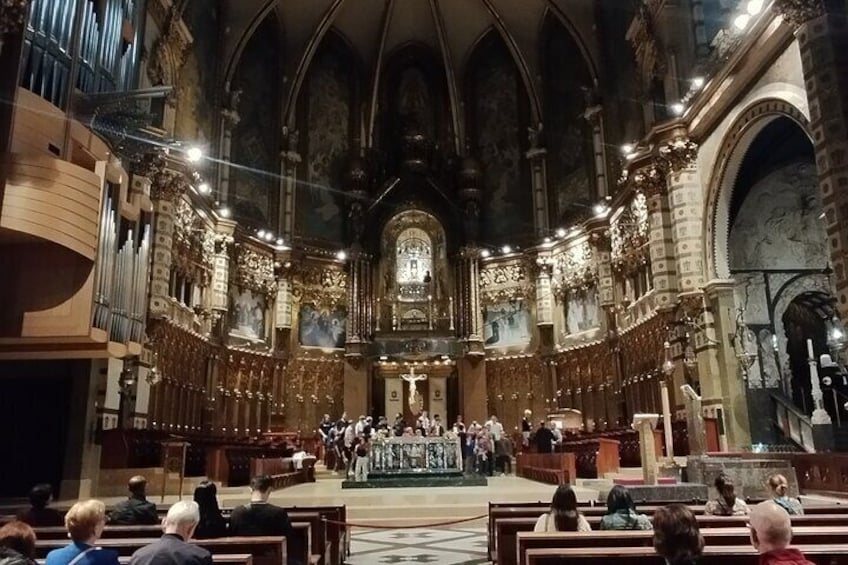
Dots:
pixel 771 532
pixel 727 504
pixel 563 516
pixel 173 547
pixel 39 515
pixel 17 544
pixel 677 538
pixel 621 512
pixel 779 487
pixel 258 517
pixel 85 522
pixel 212 523
pixel 135 510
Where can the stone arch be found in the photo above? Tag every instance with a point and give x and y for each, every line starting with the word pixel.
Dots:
pixel 731 154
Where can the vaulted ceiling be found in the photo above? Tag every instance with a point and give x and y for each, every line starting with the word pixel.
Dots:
pixel 375 29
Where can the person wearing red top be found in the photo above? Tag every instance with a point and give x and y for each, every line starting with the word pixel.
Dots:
pixel 771 532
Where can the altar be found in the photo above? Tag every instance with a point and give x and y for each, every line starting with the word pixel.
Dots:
pixel 397 456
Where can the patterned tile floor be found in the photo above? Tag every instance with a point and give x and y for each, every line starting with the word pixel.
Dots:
pixel 445 546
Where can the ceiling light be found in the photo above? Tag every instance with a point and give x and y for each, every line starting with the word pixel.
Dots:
pixel 280 241
pixel 600 208
pixel 269 236
pixel 194 154
pixel 677 108
pixel 204 188
pixel 560 232
pixel 506 249
pixel 698 83
pixel 627 148
pixel 260 234
pixel 741 21
pixel 224 212
pixel 485 253
pixel 755 7
pixel 547 240
pixel 341 255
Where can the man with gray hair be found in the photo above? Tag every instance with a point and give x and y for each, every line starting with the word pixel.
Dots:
pixel 771 532
pixel 173 547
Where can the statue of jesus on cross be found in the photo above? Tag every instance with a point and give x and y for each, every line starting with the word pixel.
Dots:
pixel 414 400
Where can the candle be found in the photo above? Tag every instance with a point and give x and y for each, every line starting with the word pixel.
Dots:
pixel 810 353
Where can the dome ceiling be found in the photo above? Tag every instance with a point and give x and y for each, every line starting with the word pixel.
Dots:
pixel 375 29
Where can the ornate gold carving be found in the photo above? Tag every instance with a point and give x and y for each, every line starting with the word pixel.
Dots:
pixel 322 285
pixel 630 235
pixel 194 244
pixel 650 180
pixel 798 12
pixel 13 16
pixel 505 282
pixel 170 49
pixel 648 51
pixel 255 270
pixel 165 184
pixel 575 269
pixel 680 153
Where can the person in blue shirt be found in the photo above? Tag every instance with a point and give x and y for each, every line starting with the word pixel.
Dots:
pixel 85 522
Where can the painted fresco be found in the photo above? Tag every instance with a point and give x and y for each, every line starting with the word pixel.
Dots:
pixel 581 311
pixel 322 327
pixel 507 209
pixel 319 213
pixel 255 178
pixel 507 324
pixel 247 311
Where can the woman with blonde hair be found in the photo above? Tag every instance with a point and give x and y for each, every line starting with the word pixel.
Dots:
pixel 85 522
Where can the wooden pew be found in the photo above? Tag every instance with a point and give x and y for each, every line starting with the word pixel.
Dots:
pixel 729 555
pixel 265 550
pixel 220 559
pixel 712 537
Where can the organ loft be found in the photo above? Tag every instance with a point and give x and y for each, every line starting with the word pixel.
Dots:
pixel 620 223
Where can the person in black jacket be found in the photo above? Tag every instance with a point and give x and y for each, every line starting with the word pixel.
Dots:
pixel 544 439
pixel 173 547
pixel 135 510
pixel 39 515
pixel 212 523
pixel 258 517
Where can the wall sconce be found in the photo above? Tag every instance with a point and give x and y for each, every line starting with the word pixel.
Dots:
pixel 514 396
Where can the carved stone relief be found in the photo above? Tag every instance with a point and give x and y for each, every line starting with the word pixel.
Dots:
pixel 499 283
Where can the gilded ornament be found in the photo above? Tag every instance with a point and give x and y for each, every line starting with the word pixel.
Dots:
pixel 499 283
pixel 575 269
pixel 255 270
pixel 630 236
pixel 680 154
pixel 798 12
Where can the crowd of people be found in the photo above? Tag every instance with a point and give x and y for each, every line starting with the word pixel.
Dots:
pixel 677 537
pixel 486 448
pixel 85 521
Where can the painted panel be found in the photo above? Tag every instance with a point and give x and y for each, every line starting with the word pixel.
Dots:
pixel 581 311
pixel 507 324
pixel 322 327
pixel 247 311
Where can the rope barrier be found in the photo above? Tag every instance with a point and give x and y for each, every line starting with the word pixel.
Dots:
pixel 406 527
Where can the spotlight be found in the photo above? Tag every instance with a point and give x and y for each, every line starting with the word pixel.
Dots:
pixel 260 234
pixel 560 232
pixel 280 241
pixel 755 7
pixel 741 21
pixel 194 154
pixel 485 253
pixel 269 236
pixel 506 249
pixel 600 208
pixel 627 149
pixel 698 83
pixel 204 188
pixel 547 240
pixel 677 108
pixel 224 212
pixel 341 255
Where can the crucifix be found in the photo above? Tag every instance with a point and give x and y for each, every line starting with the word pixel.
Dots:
pixel 414 400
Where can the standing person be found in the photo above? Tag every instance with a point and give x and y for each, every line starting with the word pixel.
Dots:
pixel 771 532
pixel 324 429
pixel 503 455
pixel 211 523
pixel 485 464
pixel 621 512
pixel 173 547
pixel 258 517
pixel 338 446
pixel 360 473
pixel 496 429
pixel 135 510
pixel 423 423
pixel 468 447
pixel 85 522
pixel 563 515
pixel 17 544
pixel 526 427
pixel 436 428
pixel 399 425
pixel 557 433
pixel 349 439
pixel 727 503
pixel 39 515
pixel 677 538
pixel 544 439
pixel 779 487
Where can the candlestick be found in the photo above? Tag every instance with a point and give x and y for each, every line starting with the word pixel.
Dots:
pixel 820 415
pixel 378 314
pixel 450 312
pixel 430 308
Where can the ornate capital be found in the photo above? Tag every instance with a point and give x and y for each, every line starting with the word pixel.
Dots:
pixel 168 185
pixel 680 153
pixel 650 180
pixel 13 16
pixel 798 12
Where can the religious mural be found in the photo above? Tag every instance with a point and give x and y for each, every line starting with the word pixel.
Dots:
pixel 507 208
pixel 322 327
pixel 253 181
pixel 247 311
pixel 507 324
pixel 328 119
pixel 581 310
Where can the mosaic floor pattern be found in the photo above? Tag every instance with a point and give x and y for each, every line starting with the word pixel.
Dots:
pixel 444 546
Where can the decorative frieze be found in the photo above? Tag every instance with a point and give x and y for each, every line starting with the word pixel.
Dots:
pixel 322 285
pixel 499 283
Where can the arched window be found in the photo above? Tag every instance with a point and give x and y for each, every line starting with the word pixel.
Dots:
pixel 414 263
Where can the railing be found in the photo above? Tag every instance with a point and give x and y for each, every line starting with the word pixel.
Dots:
pixel 794 424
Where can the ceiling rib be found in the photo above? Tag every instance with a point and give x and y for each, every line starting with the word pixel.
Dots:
pixel 520 62
pixel 450 76
pixel 378 71
pixel 306 60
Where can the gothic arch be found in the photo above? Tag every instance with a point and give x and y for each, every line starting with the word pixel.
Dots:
pixel 731 154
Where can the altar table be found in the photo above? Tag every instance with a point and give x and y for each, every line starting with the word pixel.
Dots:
pixel 416 455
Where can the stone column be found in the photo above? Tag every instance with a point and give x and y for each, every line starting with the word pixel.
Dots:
pixel 644 424
pixel 723 385
pixel 229 120
pixel 539 182
pixel 594 115
pixel 472 372
pixel 652 182
pixel 290 159
pixel 220 287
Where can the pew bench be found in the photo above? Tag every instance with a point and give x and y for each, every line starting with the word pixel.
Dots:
pixel 220 559
pixel 728 555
